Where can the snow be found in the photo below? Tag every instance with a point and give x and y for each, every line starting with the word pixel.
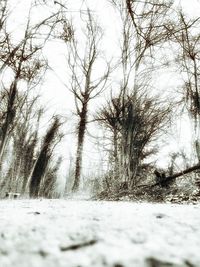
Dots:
pixel 67 233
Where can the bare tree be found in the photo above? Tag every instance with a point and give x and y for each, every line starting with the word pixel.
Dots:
pixel 186 37
pixel 25 144
pixel 149 19
pixel 24 60
pixel 21 148
pixel 48 186
pixel 135 123
pixel 133 116
pixel 41 164
pixel 86 83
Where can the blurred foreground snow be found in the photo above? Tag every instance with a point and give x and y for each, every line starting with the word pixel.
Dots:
pixel 67 233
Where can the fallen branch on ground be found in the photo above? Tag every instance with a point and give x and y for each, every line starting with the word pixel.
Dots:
pixel 77 246
pixel 168 179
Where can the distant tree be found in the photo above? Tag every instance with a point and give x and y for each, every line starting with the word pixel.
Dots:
pixel 43 159
pixel 48 186
pixel 23 59
pixel 30 149
pixel 86 83
pixel 21 149
pixel 186 37
pixel 148 19
pixel 25 144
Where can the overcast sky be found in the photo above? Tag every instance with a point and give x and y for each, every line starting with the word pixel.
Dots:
pixel 55 95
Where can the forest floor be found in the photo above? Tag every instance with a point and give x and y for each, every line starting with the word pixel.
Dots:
pixel 67 233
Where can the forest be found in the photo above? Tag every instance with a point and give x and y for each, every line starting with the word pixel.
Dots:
pixel 132 104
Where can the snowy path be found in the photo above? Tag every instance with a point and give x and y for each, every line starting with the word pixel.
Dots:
pixel 60 233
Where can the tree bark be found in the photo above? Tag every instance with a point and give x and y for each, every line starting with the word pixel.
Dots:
pixel 10 115
pixel 38 173
pixel 79 153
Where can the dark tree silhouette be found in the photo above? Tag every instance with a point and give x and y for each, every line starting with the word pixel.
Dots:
pixel 43 158
pixel 135 121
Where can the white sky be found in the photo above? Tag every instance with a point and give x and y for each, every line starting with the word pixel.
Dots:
pixel 55 95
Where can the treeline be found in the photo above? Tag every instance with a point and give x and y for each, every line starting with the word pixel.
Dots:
pixel 27 165
pixel 154 36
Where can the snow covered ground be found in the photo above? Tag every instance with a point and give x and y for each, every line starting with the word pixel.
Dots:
pixel 67 233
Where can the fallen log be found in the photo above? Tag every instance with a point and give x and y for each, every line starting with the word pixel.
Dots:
pixel 168 179
pixel 178 174
pixel 162 183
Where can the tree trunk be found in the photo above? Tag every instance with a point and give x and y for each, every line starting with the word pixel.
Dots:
pixel 116 156
pixel 10 115
pixel 41 164
pixel 79 153
pixel 38 173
